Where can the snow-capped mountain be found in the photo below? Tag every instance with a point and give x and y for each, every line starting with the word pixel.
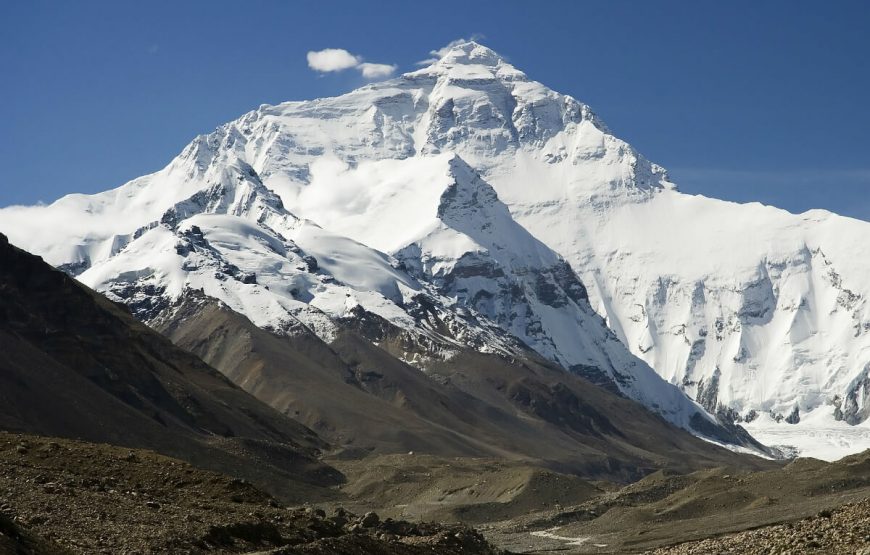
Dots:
pixel 518 215
pixel 466 276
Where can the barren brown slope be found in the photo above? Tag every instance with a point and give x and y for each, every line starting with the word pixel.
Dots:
pixel 101 499
pixel 845 530
pixel 16 541
pixel 76 365
pixel 666 508
pixel 365 400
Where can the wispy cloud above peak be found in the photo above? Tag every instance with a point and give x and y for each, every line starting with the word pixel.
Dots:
pixel 375 71
pixel 331 60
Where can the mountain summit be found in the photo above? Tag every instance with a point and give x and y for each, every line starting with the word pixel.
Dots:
pixel 471 207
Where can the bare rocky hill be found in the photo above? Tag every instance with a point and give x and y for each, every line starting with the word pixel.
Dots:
pixel 76 365
pixel 356 393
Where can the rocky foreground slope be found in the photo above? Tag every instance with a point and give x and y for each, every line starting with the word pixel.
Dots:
pixel 845 530
pixel 60 497
pixel 63 497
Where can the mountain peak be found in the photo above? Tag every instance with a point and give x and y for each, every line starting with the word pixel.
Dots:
pixel 472 52
pixel 470 60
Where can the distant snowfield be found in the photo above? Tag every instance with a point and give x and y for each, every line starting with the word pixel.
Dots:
pixel 569 541
pixel 820 437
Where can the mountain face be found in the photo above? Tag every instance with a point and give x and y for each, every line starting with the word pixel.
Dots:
pixel 75 365
pixel 469 206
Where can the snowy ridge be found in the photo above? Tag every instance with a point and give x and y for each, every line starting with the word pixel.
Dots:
pixel 235 242
pixel 521 214
pixel 448 228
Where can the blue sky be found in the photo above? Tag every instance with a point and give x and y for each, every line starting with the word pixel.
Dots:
pixel 741 100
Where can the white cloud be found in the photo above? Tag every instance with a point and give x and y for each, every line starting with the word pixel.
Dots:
pixel 374 71
pixel 339 59
pixel 332 59
pixel 441 52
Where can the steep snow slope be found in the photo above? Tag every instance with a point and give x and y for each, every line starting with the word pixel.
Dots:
pixel 234 241
pixel 448 228
pixel 747 308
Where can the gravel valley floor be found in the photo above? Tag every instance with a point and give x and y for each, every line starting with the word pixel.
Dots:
pixel 69 497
